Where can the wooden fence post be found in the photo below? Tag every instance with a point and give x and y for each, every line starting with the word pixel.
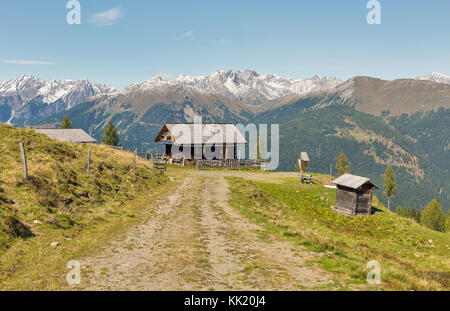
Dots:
pixel 134 162
pixel 88 162
pixel 153 162
pixel 24 161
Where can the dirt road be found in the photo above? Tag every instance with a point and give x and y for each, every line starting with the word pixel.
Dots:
pixel 194 240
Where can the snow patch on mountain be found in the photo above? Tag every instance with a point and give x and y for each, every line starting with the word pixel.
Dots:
pixel 436 77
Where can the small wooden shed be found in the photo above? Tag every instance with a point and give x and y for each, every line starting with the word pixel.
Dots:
pixel 353 195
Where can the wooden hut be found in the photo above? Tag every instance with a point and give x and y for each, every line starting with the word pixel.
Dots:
pixel 303 160
pixel 221 137
pixel 353 195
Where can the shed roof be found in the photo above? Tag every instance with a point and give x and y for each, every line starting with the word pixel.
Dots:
pixel 303 156
pixel 70 135
pixel 183 133
pixel 352 181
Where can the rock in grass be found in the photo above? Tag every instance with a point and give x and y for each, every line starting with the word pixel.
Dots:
pixel 54 244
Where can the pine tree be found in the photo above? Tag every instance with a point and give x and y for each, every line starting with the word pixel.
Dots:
pixel 433 216
pixel 342 164
pixel 65 124
pixel 390 185
pixel 110 136
pixel 399 211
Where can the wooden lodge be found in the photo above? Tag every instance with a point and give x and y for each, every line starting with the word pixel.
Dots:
pixel 353 195
pixel 185 144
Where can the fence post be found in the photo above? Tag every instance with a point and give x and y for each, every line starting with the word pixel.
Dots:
pixel 153 162
pixel 134 162
pixel 24 161
pixel 88 162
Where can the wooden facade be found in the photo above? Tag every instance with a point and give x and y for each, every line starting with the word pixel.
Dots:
pixel 354 195
pixel 185 148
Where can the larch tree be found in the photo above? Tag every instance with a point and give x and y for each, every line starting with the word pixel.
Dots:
pixel 342 164
pixel 65 124
pixel 110 136
pixel 433 216
pixel 390 185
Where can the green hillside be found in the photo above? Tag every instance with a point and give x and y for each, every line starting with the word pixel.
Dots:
pixel 411 257
pixel 60 202
pixel 370 144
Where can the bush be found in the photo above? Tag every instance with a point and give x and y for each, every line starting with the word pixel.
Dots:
pixel 433 216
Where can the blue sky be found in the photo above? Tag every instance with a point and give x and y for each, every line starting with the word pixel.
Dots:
pixel 135 40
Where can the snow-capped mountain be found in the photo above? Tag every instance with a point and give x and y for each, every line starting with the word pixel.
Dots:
pixel 27 97
pixel 436 77
pixel 243 86
pixel 252 88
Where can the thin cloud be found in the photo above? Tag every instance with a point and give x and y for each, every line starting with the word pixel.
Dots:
pixel 25 62
pixel 186 35
pixel 221 41
pixel 107 18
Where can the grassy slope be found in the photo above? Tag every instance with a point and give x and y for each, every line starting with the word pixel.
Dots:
pixel 409 261
pixel 61 203
pixel 370 144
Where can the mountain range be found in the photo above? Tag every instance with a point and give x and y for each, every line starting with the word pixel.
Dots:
pixel 27 98
pixel 403 122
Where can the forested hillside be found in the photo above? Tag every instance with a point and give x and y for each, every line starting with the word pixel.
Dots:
pixel 370 144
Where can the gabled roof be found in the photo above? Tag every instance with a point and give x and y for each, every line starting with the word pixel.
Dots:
pixel 70 135
pixel 303 156
pixel 183 133
pixel 353 181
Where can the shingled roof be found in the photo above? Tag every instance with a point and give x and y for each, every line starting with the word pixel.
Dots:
pixel 211 134
pixel 70 135
pixel 352 181
pixel 303 156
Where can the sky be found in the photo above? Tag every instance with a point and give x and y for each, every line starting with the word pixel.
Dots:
pixel 122 42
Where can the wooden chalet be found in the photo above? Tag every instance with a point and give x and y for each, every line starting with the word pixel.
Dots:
pixel 353 195
pixel 183 144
